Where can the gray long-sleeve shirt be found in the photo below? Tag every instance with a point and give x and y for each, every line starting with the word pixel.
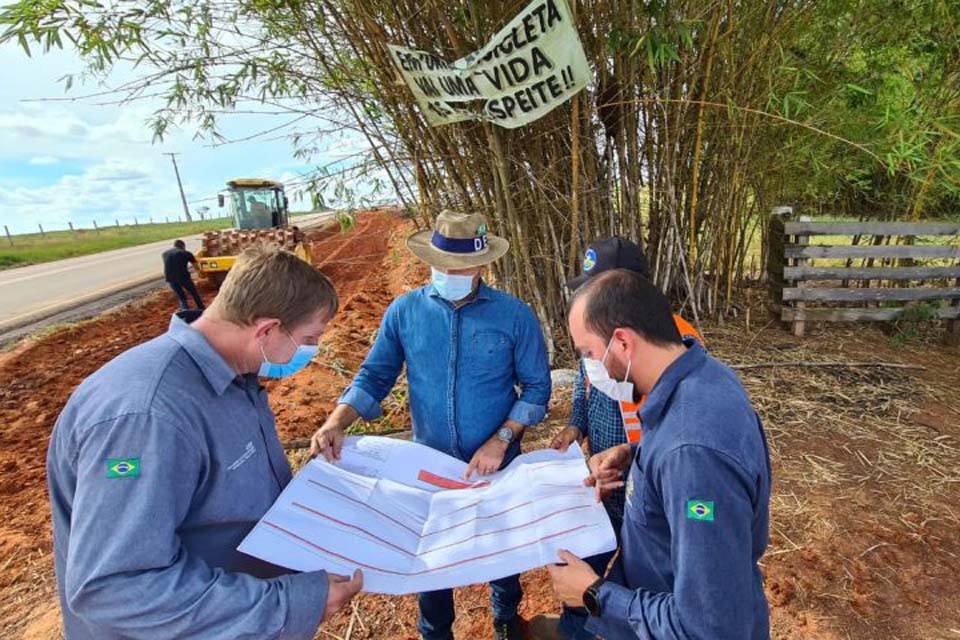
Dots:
pixel 159 465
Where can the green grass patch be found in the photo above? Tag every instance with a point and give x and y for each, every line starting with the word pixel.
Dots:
pixel 35 248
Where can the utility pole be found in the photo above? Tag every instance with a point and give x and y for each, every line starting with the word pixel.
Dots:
pixel 186 209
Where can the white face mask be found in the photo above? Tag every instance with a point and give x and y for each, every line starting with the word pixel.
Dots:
pixel 451 287
pixel 600 378
pixel 621 392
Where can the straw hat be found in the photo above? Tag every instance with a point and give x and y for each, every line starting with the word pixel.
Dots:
pixel 458 241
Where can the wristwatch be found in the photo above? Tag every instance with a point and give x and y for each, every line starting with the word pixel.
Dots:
pixel 591 598
pixel 505 435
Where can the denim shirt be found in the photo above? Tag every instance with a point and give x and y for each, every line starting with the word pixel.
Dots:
pixel 148 549
pixel 697 514
pixel 464 365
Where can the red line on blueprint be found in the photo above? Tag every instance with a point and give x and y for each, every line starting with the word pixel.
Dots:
pixel 354 482
pixel 364 504
pixel 445 546
pixel 492 515
pixel 425 571
pixel 549 463
pixel 572 489
pixel 469 506
pixel 519 526
pixel 447 483
pixel 355 527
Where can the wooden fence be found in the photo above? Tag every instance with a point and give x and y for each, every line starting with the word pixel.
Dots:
pixel 879 265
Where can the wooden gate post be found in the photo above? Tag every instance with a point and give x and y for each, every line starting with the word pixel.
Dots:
pixel 775 258
pixel 799 323
pixel 953 326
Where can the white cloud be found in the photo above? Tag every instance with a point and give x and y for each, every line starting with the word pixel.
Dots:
pixel 78 161
pixel 116 189
pixel 42 161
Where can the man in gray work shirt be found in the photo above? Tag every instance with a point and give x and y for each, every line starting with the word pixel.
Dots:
pixel 165 458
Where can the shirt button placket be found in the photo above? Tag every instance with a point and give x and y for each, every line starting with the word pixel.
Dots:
pixel 452 384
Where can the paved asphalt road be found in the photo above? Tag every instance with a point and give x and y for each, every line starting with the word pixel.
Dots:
pixel 38 291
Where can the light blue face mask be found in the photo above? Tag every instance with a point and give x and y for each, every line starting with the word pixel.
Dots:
pixel 301 358
pixel 451 287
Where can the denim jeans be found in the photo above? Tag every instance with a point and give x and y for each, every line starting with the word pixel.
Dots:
pixel 178 290
pixel 573 619
pixel 437 614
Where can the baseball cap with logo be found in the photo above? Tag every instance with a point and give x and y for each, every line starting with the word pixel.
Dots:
pixel 610 253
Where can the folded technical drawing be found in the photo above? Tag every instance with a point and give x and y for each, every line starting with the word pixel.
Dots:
pixel 403 514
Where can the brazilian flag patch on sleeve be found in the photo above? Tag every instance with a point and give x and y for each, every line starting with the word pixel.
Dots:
pixel 700 510
pixel 123 467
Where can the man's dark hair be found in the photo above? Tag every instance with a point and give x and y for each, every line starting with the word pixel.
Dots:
pixel 179 244
pixel 621 299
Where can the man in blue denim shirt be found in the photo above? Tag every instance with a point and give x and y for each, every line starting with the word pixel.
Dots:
pixel 698 490
pixel 467 349
pixel 166 457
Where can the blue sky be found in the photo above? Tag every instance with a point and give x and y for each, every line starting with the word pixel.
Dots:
pixel 77 162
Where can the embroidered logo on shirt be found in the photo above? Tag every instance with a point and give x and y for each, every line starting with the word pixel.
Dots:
pixel 249 451
pixel 700 510
pixel 123 467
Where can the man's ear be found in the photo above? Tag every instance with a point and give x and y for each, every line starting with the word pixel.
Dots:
pixel 627 342
pixel 264 326
pixel 622 339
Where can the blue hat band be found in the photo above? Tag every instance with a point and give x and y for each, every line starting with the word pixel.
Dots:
pixel 459 245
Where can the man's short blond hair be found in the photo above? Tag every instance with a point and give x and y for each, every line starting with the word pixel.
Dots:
pixel 268 282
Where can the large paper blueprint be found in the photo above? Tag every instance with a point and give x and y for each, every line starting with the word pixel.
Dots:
pixel 401 512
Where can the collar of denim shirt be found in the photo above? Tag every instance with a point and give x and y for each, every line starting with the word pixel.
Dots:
pixel 483 293
pixel 651 413
pixel 216 370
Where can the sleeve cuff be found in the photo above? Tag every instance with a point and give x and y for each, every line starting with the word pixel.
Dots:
pixel 306 596
pixel 526 413
pixel 615 602
pixel 578 419
pixel 363 402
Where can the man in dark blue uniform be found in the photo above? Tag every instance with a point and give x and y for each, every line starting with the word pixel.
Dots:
pixel 696 519
pixel 177 275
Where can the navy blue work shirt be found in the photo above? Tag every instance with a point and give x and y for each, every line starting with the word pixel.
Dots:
pixel 159 465
pixel 697 514
pixel 464 365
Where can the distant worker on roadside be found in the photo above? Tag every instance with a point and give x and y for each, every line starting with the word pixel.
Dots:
pixel 467 348
pixel 167 456
pixel 603 421
pixel 176 272
pixel 697 513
